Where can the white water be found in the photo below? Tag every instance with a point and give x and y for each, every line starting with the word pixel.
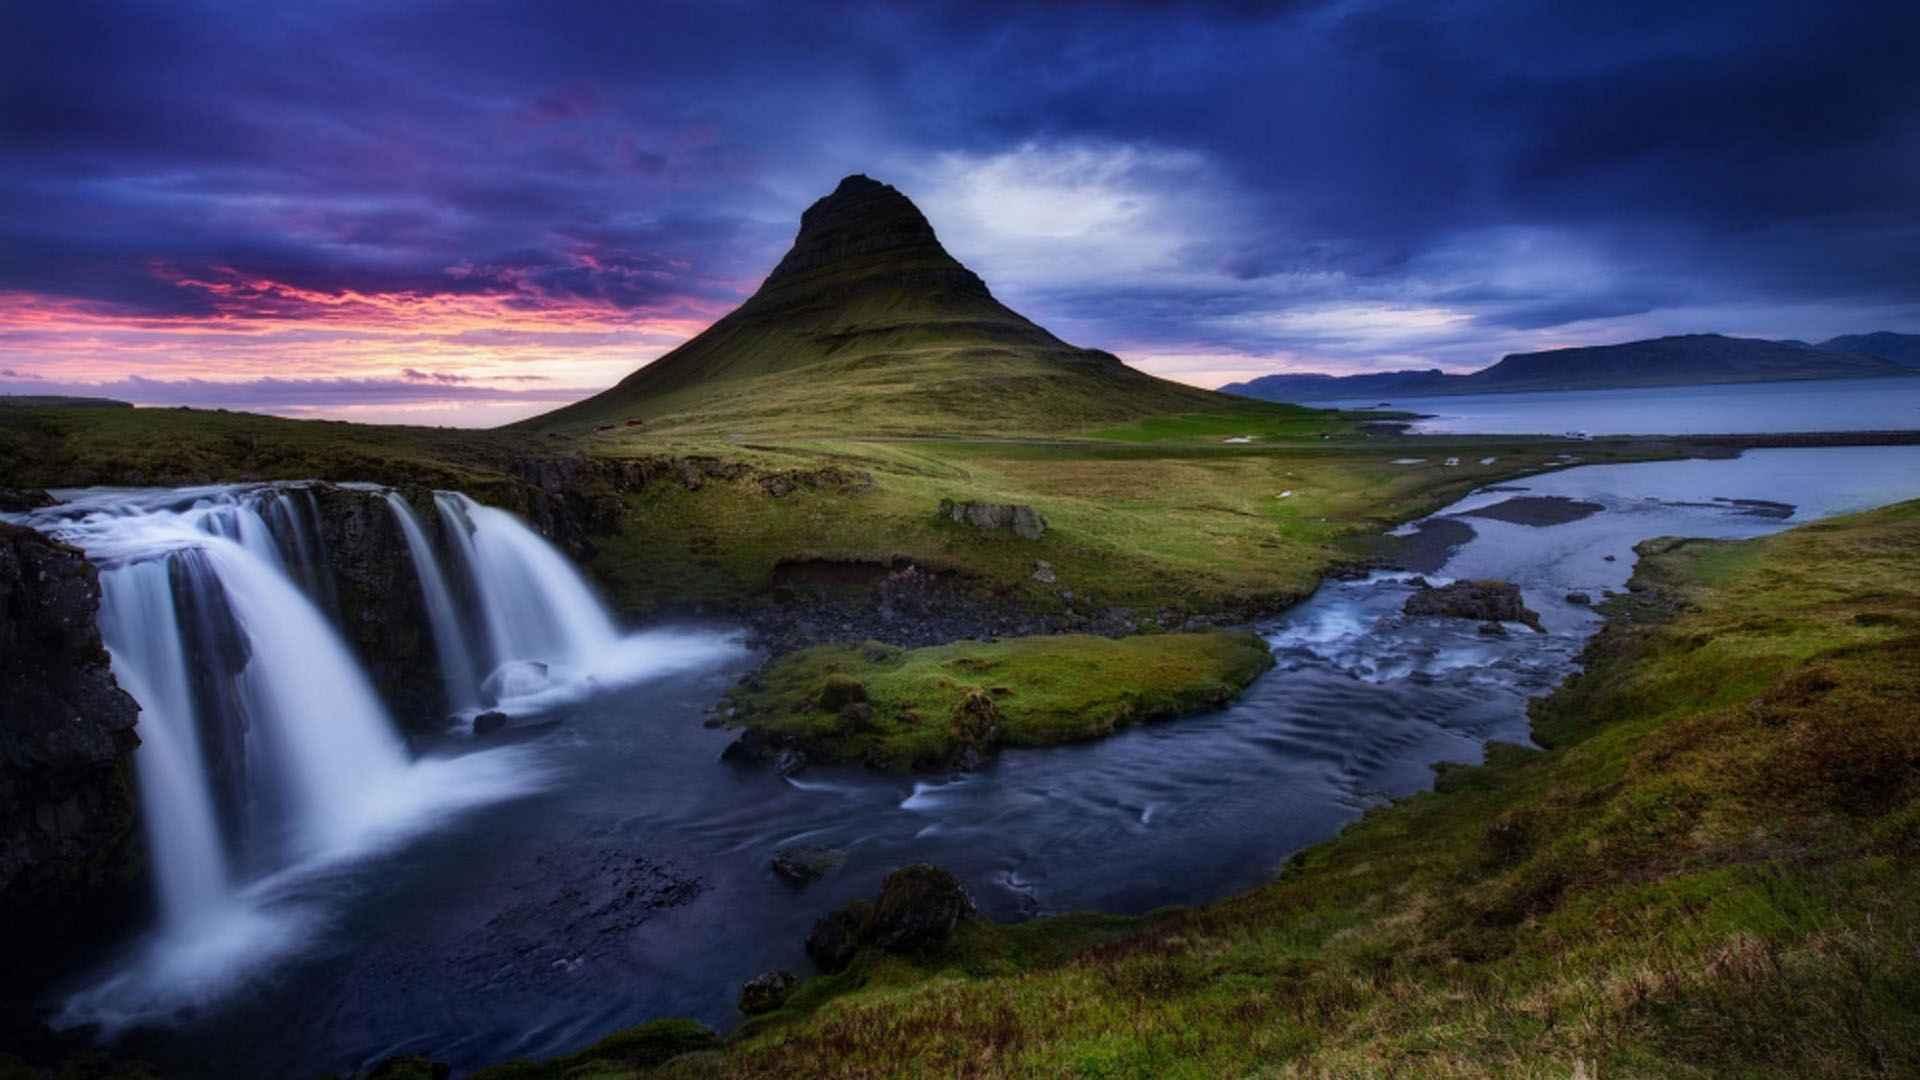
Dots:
pixel 449 635
pixel 324 774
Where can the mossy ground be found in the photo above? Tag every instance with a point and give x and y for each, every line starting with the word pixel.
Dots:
pixel 1712 870
pixel 923 706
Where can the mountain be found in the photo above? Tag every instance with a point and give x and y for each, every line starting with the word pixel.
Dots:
pixel 869 326
pixel 1681 360
pixel 1902 349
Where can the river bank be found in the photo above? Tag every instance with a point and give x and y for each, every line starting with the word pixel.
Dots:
pixel 1683 849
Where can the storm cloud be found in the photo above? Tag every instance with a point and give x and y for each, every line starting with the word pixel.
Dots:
pixel 495 192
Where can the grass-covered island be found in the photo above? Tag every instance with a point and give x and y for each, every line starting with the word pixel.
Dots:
pixel 955 704
pixel 1709 870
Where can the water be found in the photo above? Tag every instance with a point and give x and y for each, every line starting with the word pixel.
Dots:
pixel 1749 408
pixel 269 768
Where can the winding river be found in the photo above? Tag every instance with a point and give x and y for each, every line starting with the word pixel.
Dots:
pixel 603 867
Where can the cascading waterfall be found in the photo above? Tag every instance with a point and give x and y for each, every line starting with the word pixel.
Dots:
pixel 267 754
pixel 536 607
pixel 449 632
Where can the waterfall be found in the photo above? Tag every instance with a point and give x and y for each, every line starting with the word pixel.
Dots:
pixel 267 754
pixel 183 836
pixel 536 605
pixel 449 633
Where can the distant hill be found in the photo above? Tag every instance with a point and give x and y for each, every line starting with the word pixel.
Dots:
pixel 1686 359
pixel 60 401
pixel 869 326
pixel 1902 349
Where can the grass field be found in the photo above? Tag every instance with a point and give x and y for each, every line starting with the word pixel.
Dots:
pixel 1158 515
pixel 1710 871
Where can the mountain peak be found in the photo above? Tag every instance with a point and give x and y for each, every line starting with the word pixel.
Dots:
pixel 869 325
pixel 862 229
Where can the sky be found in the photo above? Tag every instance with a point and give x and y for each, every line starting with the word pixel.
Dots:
pixel 466 213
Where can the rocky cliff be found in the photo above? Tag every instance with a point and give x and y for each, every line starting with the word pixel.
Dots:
pixel 70 853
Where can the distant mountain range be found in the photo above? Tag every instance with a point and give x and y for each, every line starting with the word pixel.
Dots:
pixel 1686 359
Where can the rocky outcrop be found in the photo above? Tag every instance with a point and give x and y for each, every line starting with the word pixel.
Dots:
pixel 918 909
pixel 1023 521
pixel 1482 601
pixel 70 856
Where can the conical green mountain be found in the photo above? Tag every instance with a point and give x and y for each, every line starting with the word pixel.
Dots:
pixel 869 327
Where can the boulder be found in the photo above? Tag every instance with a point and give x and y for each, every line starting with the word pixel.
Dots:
pixel 489 722
pixel 1023 521
pixel 1481 601
pixel 789 761
pixel 919 906
pixel 836 939
pixel 767 991
pixel 1579 598
pixel 805 863
pixel 20 500
pixel 1043 572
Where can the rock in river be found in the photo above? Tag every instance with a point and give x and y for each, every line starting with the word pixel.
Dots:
pixel 805 863
pixel 767 992
pixel 919 906
pixel 1482 601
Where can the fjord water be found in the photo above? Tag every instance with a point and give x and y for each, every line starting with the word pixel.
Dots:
pixel 633 882
pixel 1776 407
pixel 269 764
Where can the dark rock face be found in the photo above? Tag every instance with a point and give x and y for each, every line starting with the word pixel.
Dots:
pixel 70 856
pixel 767 992
pixel 1023 521
pixel 919 906
pixel 1482 601
pixel 836 939
pixel 489 722
pixel 381 611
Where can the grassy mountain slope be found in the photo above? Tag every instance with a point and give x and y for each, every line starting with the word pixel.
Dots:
pixel 1680 360
pixel 869 327
pixel 1709 871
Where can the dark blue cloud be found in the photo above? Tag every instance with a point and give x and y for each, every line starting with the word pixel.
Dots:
pixel 1537 166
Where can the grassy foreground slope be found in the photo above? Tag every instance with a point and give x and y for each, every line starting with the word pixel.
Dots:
pixel 1709 871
